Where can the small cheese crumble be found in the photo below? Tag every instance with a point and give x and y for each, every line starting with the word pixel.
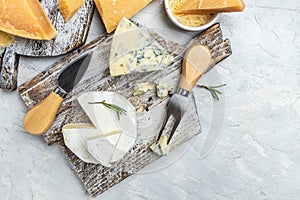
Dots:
pixel 162 90
pixel 141 88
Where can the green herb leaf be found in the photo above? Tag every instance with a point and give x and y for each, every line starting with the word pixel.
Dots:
pixel 119 111
pixel 213 90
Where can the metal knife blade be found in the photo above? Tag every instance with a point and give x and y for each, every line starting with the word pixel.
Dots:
pixel 69 78
pixel 176 107
pixel 40 118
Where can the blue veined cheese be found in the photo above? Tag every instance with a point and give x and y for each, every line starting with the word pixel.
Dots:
pixel 134 50
pixel 141 88
pixel 161 147
pixel 162 90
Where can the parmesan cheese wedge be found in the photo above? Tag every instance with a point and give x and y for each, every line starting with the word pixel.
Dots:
pixel 6 39
pixel 25 18
pixel 209 6
pixel 68 8
pixel 134 50
pixel 112 11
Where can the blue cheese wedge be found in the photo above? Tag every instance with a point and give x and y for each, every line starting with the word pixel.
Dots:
pixel 161 147
pixel 134 50
pixel 162 90
pixel 141 88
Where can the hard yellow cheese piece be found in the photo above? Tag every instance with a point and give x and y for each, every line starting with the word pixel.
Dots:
pixel 210 6
pixel 5 39
pixel 68 8
pixel 112 11
pixel 25 18
pixel 192 20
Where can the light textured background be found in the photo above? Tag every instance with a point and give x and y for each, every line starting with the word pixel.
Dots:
pixel 257 152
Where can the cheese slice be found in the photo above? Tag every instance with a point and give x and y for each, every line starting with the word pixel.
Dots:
pixel 161 147
pixel 6 39
pixel 110 139
pixel 210 6
pixel 102 117
pixel 25 18
pixel 125 143
pixel 68 8
pixel 162 90
pixel 141 88
pixel 73 140
pixel 134 50
pixel 76 137
pixel 103 148
pixel 112 11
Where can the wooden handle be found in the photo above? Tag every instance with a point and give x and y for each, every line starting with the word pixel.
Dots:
pixel 40 118
pixel 195 63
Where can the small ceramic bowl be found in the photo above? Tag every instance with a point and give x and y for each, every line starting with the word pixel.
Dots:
pixel 189 28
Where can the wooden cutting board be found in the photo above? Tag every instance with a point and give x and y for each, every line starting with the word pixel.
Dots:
pixel 70 36
pixel 97 178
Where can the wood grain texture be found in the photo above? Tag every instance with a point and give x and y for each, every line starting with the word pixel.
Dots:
pixel 9 68
pixel 70 36
pixel 97 178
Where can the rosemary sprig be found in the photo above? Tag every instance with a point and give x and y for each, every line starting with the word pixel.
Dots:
pixel 213 90
pixel 119 111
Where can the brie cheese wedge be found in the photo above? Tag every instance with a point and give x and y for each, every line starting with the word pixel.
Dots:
pixel 108 139
pixel 134 50
pixel 103 148
pixel 72 137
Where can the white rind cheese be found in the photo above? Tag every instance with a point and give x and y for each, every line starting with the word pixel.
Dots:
pixel 134 50
pixel 73 140
pixel 108 139
pixel 103 148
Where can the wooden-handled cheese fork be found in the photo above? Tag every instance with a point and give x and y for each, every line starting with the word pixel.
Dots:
pixel 196 62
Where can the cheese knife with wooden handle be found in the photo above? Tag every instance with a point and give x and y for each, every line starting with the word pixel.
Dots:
pixel 40 118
